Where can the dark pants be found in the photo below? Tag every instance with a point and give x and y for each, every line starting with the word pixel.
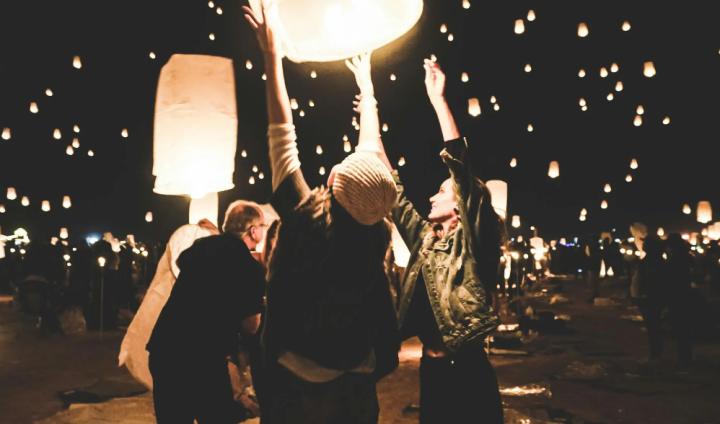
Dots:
pixel 459 388
pixel 349 399
pixel 681 315
pixel 185 390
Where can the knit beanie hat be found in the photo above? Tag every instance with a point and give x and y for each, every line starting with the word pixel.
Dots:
pixel 364 187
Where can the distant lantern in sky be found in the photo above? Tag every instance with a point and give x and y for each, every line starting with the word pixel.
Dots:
pixel 301 113
pixel 255 169
pixel 634 164
pixel 152 55
pixel 638 120
pixel 76 143
pixel 385 128
pixel 661 232
pixel 493 99
pixel 519 26
pixel 474 107
pixel 499 196
pixel 34 107
pixel 313 74
pixel 25 201
pixel 49 92
pixel 626 26
pixel 311 103
pixel 607 188
pixel 619 86
pixel 66 202
pixel 583 218
pixel 554 169
pixel 318 32
pixel 76 128
pixel 513 163
pixel 603 72
pixel 64 233
pixel 466 4
pixel 319 149
pixel 219 10
pixel 321 171
pixel 148 216
pixel 528 68
pixel 531 15
pixel 530 128
pixel 640 110
pixel 443 28
pixel 124 133
pixel 583 212
pixel 604 204
pixel 583 30
pixel 2 208
pixel 451 38
pixel 614 68
pixel 211 4
pixel 704 212
pixel 347 147
pixel 195 128
pixel 666 120
pixel 248 64
pixel 57 134
pixel 294 104
pixel 581 73
pixel 496 107
pixel 11 193
pixel 628 178
pixel 69 150
pixel 610 97
pixel 45 206
pixel 515 221
pixel 401 161
pixel 6 134
pixel 77 62
pixel 211 36
pixel 649 69
pixel 91 153
pixel 261 175
pixel 243 153
pixel 251 180
pixel 464 77
pixel 393 77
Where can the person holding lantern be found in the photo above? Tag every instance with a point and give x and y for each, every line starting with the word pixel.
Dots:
pixel 330 330
pixel 455 256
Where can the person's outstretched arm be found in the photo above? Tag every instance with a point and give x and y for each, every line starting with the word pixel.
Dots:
pixel 435 86
pixel 367 107
pixel 284 155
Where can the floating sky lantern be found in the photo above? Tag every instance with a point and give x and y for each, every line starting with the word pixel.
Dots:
pixel 64 233
pixel 34 107
pixel 49 92
pixel 66 202
pixel 211 36
pixel 474 107
pixel 515 221
pixel 393 77
pixel 614 68
pixel 582 102
pixel 219 10
pixel 2 208
pixel 531 16
pixel 25 201
pixel 294 104
pixel 318 149
pixel 603 72
pixel 316 30
pixel 604 204
pixel 610 97
pixel 6 134
pixel 243 153
pixel 464 77
pixel 466 4
pixel 152 55
pixel 69 150
pixel 450 38
pixel 519 26
pixel 496 107
pixel 686 209
pixel 554 169
pixel 704 212
pixel 148 216
pixel 77 62
pixel 530 128
pixel 443 28
pixel 385 128
pixel 76 129
pixel 45 206
pixel 124 133
pixel 640 110
pixel 248 64
pixel 311 103
pixel 528 68
pixel 581 73
pixel 583 30
pixel 513 163
pixel 607 188
pixel 583 211
pixel 321 171
pixel 634 164
pixel 195 127
pixel 714 231
pixel 666 120
pixel 211 4
pixel 499 196
pixel 91 153
pixel 649 69
pixel 347 147
pixel 637 121
pixel 401 161
pixel 626 26
pixel 619 86
pixel 661 232
pixel 76 143
pixel 11 193
pixel 628 178
pixel 57 134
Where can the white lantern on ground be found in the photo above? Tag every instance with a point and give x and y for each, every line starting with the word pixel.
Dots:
pixel 554 169
pixel 704 212
pixel 195 126
pixel 499 196
pixel 317 30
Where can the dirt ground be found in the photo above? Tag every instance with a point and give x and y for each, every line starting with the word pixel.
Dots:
pixel 589 370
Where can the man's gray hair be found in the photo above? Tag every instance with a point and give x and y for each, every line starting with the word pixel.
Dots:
pixel 240 216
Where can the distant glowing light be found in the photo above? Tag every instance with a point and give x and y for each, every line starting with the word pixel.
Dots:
pixel 513 163
pixel 531 15
pixel 583 30
pixel 649 69
pixel 474 107
pixel 77 62
pixel 34 107
pixel 626 26
pixel 519 26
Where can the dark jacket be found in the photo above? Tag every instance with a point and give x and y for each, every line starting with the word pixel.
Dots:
pixel 457 267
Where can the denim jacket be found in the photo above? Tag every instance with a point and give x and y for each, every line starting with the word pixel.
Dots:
pixel 455 267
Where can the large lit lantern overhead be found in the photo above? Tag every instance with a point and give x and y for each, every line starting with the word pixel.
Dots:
pixel 318 30
pixel 195 126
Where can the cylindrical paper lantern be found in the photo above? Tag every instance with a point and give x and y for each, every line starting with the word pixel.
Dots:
pixel 554 169
pixel 704 212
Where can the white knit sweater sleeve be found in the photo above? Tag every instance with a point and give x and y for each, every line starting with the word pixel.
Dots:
pixel 284 154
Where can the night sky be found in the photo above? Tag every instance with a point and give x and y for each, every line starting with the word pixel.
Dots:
pixel 115 89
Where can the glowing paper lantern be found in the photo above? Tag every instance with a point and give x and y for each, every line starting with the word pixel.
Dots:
pixel 474 107
pixel 603 72
pixel 76 143
pixel 604 204
pixel 2 208
pixel 614 68
pixel 493 99
pixel 195 126
pixel 57 134
pixel 583 30
pixel 528 68
pixel 530 128
pixel 583 211
pixel 531 15
pixel 464 77
pixel 496 107
pixel 637 121
pixel 661 232
pixel 321 171
pixel 219 10
pixel 714 231
pixel 582 102
pixel 11 193
pixel 148 216
pixel 519 26
pixel 581 73
pixel 34 107
pixel 626 26
pixel 6 134
pixel 211 36
pixel 513 163
pixel 91 153
pixel 466 4
pixel 554 169
pixel 66 202
pixel 499 196
pixel 628 178
pixel 25 201
pixel 610 97
pixel 687 210
pixel 69 150
pixel 48 92
pixel 634 164
pixel 45 206
pixel 243 153
pixel 619 86
pixel 607 188
pixel 76 128
pixel 64 233
pixel 666 120
pixel 77 62
pixel 515 221
pixel 124 133
pixel 640 110
pixel 649 69
pixel 704 212
pixel 443 28
pixel 318 149
pixel 401 161
pixel 316 30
